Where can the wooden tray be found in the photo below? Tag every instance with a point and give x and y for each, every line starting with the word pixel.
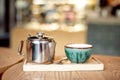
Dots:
pixel 65 65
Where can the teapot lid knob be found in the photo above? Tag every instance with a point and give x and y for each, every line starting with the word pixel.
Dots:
pixel 40 34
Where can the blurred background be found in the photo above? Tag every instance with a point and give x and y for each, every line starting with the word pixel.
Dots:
pixel 96 22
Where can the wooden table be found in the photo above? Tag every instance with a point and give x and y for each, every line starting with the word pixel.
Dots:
pixel 111 72
pixel 8 57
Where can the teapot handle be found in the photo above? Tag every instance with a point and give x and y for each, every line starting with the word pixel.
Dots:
pixel 20 48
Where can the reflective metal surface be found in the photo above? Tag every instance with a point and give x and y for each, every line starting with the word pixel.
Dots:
pixel 39 49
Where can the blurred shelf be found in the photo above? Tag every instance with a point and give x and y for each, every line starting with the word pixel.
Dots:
pixel 55 1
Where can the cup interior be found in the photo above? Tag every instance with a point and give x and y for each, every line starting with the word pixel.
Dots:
pixel 81 46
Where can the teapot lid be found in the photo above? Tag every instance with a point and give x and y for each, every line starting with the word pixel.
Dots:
pixel 39 37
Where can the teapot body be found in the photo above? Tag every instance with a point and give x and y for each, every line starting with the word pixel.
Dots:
pixel 37 51
pixel 40 49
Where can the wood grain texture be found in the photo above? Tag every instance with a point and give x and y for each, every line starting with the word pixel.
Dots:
pixel 8 57
pixel 111 72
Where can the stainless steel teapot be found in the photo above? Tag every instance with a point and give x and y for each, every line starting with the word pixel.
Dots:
pixel 39 49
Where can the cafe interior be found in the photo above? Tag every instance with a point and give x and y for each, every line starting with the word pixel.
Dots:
pixel 95 22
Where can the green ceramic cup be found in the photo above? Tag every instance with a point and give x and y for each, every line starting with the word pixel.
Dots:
pixel 78 53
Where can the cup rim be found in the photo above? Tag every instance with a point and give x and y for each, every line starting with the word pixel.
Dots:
pixel 78 46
